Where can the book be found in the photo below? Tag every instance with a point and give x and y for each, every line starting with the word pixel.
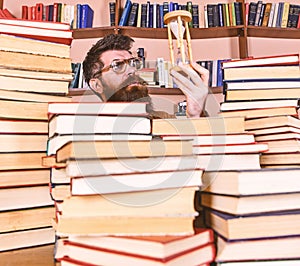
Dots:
pixel 87 16
pixel 27 238
pixel 284 146
pixel 38 30
pixel 154 203
pixel 253 226
pixel 249 105
pixel 125 14
pixel 211 125
pixel 262 94
pixel 262 112
pixel 19 97
pixel 132 18
pixel 261 249
pixel 21 197
pixel 31 177
pixel 269 122
pixel 230 148
pixel 251 182
pixel 107 108
pixel 24 219
pixel 278 136
pixel 221 162
pixel 151 246
pixel 275 130
pixel 138 181
pixel 169 225
pixel 103 124
pixel 122 149
pixel 280 158
pixel 57 141
pixel 35 62
pixel 23 127
pixel 23 142
pixel 226 139
pixel 263 61
pixel 266 15
pixel 26 160
pixel 83 253
pixel 250 204
pixel 279 262
pixel 262 72
pixel 27 45
pixel 23 110
pixel 252 13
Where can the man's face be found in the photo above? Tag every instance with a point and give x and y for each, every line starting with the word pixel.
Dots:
pixel 110 80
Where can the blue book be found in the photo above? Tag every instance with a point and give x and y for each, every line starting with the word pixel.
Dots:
pixel 87 16
pixel 161 16
pixel 150 16
pixel 78 21
pixel 125 13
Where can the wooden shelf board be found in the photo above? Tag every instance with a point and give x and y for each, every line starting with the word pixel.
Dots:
pixel 267 32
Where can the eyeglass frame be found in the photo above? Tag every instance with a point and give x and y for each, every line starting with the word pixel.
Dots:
pixel 126 61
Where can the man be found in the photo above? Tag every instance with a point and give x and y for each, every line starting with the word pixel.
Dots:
pixel 109 66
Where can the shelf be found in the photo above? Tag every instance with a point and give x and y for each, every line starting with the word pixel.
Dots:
pixel 157 33
pixel 270 32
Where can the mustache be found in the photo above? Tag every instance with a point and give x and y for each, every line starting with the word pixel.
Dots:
pixel 133 79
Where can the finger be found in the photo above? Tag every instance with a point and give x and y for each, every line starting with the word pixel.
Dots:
pixel 203 72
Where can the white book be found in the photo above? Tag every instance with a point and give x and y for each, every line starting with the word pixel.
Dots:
pixel 271 17
pixel 275 15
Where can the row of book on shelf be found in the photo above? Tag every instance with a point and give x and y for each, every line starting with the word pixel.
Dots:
pixel 280 14
pixel 235 174
pixel 76 16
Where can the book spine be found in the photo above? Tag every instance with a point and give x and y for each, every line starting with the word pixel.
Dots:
pixel 125 13
pixel 144 16
pixel 189 6
pixel 271 16
pixel 221 18
pixel 195 16
pixel 238 13
pixel 112 13
pixel 252 13
pixel 266 15
pixel 257 15
pixel 262 13
pixel 133 14
pixel 285 14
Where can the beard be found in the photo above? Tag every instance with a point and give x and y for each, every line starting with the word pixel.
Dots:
pixel 133 89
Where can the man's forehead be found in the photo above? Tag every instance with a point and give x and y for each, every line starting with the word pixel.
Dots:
pixel 110 55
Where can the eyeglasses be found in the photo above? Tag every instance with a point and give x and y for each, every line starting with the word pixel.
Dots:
pixel 119 65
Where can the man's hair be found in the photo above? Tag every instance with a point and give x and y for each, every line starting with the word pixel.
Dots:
pixel 92 64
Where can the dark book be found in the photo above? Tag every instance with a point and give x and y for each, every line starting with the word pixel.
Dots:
pixel 279 15
pixel 238 13
pixel 87 16
pixel 150 24
pixel 210 15
pixel 133 15
pixel 221 17
pixel 195 16
pixel 293 16
pixel 125 13
pixel 144 16
pixel 76 72
pixel 189 7
pixel 165 10
pixel 262 13
pixel 258 10
pixel 252 13
pixel 112 13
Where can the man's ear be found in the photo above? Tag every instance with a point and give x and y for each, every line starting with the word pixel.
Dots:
pixel 96 85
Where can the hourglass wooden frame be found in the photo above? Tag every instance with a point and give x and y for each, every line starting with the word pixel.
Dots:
pixel 183 18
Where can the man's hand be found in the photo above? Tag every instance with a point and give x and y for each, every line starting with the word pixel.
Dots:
pixel 193 81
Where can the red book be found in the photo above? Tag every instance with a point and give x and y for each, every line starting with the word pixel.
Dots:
pixel 39 11
pixel 24 12
pixel 298 25
pixel 7 13
pixel 32 13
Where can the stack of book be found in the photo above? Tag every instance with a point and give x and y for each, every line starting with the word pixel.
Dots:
pixel 265 90
pixel 220 143
pixel 254 214
pixel 32 72
pixel 119 182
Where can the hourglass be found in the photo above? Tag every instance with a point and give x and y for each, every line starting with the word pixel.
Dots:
pixel 178 22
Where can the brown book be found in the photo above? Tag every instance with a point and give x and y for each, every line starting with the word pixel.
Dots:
pixel 266 112
pixel 24 219
pixel 251 182
pixel 269 122
pixel 262 94
pixel 155 203
pixel 23 142
pixel 26 160
pixel 266 15
pixel 284 146
pixel 282 248
pixel 22 197
pixel 280 159
pixel 122 149
pixel 125 225
pixel 13 178
pixel 32 97
pixel 25 45
pixel 251 204
pixel 198 126
pixel 254 226
pixel 26 239
pixel 35 62
pixel 23 126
